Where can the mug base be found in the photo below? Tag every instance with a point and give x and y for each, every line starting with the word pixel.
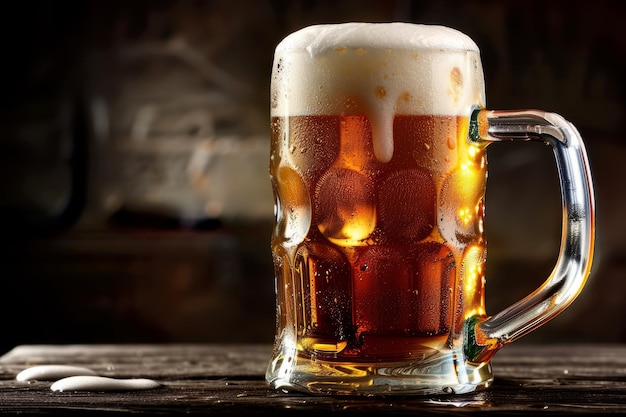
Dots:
pixel 445 373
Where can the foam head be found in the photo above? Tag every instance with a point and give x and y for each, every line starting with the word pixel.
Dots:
pixel 379 70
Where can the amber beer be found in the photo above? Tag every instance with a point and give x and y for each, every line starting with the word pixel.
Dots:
pixel 377 261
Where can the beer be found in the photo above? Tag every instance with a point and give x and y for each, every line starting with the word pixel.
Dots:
pixel 368 252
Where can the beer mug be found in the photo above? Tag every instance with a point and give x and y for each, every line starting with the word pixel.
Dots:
pixel 378 166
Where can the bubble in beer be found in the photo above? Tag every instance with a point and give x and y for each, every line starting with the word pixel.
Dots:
pixel 293 206
pixel 345 206
pixel 407 205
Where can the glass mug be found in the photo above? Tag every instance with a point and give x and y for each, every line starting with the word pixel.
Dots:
pixel 378 167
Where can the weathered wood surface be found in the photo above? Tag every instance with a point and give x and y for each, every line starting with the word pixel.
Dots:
pixel 229 380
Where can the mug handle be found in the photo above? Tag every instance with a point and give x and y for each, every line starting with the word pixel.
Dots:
pixel 485 336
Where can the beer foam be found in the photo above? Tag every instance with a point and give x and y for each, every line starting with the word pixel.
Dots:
pixel 379 70
pixel 397 35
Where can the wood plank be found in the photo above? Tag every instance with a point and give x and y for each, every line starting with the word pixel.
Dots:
pixel 167 361
pixel 229 379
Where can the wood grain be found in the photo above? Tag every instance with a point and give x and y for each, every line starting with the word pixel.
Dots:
pixel 210 379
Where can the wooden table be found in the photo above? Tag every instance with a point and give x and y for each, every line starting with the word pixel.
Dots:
pixel 229 380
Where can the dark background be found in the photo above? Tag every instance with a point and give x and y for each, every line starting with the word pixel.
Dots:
pixel 134 195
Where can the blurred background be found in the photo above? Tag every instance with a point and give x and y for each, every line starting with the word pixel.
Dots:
pixel 135 203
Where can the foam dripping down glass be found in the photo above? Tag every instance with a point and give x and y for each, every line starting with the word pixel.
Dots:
pixel 378 167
